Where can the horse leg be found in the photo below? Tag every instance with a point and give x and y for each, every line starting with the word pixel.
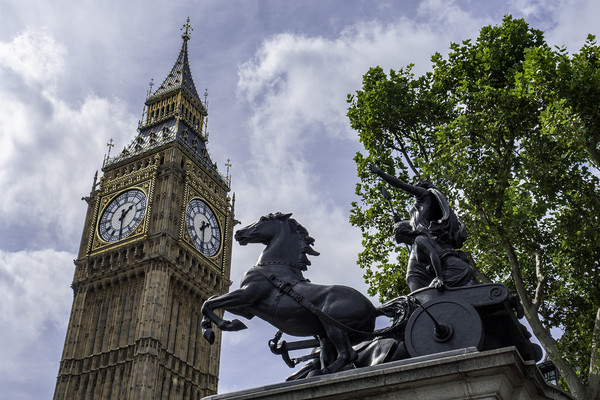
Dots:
pixel 339 340
pixel 345 352
pixel 235 299
pixel 328 352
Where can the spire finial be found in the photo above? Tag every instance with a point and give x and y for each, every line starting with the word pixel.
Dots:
pixel 228 165
pixel 188 30
pixel 110 145
pixel 206 117
pixel 150 89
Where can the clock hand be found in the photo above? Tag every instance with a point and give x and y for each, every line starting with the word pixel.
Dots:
pixel 203 228
pixel 124 213
pixel 122 218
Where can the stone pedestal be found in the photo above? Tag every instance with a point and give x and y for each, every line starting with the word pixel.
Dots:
pixel 460 374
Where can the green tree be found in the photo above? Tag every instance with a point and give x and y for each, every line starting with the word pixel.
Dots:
pixel 508 128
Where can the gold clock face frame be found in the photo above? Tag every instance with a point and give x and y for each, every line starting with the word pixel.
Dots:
pixel 122 215
pixel 203 227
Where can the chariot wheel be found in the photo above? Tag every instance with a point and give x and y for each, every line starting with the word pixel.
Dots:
pixel 443 325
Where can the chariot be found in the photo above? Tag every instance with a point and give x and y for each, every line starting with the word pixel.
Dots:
pixel 342 320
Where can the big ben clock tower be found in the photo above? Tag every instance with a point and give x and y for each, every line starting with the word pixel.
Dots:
pixel 156 244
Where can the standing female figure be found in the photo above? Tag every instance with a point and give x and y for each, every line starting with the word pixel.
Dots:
pixel 431 211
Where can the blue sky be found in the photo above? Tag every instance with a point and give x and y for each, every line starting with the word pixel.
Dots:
pixel 74 74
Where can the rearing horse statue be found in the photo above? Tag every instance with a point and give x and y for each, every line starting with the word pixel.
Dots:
pixel 276 291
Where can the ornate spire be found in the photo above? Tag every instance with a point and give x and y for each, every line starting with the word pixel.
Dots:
pixel 180 76
pixel 188 29
pixel 174 113
pixel 149 92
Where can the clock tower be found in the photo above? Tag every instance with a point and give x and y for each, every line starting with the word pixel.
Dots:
pixel 155 245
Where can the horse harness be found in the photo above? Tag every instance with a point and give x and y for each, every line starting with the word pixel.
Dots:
pixel 287 288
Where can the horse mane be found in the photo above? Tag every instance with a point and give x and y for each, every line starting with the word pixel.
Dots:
pixel 304 238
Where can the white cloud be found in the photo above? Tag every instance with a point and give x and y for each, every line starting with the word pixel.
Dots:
pixel 450 21
pixel 35 298
pixel 573 21
pixel 526 7
pixel 564 22
pixel 49 149
pixel 296 83
pixel 34 291
pixel 35 56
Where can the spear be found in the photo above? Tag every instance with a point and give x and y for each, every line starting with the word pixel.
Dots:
pixel 388 198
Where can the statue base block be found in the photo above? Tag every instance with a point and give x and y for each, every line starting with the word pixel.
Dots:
pixel 459 374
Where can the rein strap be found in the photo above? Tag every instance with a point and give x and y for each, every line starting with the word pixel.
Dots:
pixel 288 289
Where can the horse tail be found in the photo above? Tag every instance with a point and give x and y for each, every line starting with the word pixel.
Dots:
pixel 398 309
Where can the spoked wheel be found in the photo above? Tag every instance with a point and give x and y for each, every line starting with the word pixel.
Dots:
pixel 443 325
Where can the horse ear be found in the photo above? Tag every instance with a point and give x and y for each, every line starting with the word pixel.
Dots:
pixel 280 216
pixel 307 248
pixel 312 252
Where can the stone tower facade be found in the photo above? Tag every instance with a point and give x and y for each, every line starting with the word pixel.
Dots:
pixel 156 244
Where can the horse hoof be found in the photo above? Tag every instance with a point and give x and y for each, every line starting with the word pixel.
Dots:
pixel 209 335
pixel 237 325
pixel 316 372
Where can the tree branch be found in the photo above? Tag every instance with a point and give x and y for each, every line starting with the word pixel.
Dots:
pixel 402 149
pixel 578 388
pixel 515 268
pixel 593 149
pixel 541 278
pixel 420 145
pixel 594 375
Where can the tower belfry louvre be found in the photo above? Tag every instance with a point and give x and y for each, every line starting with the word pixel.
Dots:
pixel 156 244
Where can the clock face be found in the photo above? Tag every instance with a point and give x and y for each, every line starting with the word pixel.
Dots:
pixel 203 227
pixel 122 215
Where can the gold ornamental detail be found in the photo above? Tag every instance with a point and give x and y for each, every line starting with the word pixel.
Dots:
pixel 129 179
pixel 125 184
pixel 184 237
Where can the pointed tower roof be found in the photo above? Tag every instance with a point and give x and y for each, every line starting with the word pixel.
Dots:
pixel 174 115
pixel 180 76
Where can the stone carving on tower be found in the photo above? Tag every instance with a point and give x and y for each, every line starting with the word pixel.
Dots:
pixel 156 244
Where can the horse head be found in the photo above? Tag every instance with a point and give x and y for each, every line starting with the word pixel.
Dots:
pixel 287 241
